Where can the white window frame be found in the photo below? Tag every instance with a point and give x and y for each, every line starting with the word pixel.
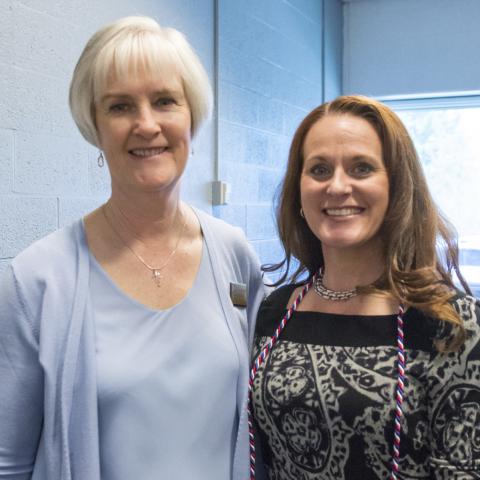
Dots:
pixel 431 101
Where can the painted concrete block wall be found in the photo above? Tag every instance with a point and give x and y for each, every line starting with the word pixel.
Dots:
pixel 396 47
pixel 270 75
pixel 48 173
pixel 332 49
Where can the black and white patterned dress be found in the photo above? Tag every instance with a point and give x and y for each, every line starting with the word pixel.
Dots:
pixel 324 398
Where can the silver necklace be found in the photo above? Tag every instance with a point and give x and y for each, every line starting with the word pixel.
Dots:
pixel 327 294
pixel 156 271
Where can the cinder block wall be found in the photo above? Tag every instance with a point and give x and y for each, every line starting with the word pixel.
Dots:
pixel 265 58
pixel 48 173
pixel 270 75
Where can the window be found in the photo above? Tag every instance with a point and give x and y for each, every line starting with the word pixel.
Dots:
pixel 446 134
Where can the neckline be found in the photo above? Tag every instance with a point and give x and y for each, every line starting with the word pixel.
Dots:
pixel 352 315
pixel 139 304
pixel 93 261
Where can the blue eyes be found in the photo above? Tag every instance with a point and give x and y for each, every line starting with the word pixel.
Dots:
pixel 125 107
pixel 118 108
pixel 363 169
pixel 164 102
pixel 320 170
pixel 325 170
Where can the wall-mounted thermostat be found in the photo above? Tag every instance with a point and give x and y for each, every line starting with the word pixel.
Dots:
pixel 220 192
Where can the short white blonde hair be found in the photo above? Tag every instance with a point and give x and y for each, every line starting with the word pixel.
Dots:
pixel 135 45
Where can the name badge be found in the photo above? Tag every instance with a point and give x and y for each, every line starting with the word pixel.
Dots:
pixel 238 294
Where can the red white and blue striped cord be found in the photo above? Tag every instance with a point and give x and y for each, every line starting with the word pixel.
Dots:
pixel 398 395
pixel 258 362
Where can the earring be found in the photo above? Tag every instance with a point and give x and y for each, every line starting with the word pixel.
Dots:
pixel 100 160
pixel 301 213
pixel 192 153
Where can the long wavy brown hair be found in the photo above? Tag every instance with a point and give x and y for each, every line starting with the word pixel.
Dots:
pixel 421 249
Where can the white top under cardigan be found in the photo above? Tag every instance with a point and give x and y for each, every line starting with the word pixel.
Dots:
pixel 48 393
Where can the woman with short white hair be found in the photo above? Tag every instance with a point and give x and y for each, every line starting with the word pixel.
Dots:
pixel 124 337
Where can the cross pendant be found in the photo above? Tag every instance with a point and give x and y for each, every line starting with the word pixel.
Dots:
pixel 157 277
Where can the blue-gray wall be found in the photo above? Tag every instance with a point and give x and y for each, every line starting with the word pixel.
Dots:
pixel 270 74
pixel 48 173
pixel 397 47
pixel 332 49
pixel 271 62
pixel 265 59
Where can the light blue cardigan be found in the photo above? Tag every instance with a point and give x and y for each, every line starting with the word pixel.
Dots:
pixel 48 391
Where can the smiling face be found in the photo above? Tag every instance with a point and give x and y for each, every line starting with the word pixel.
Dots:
pixel 344 184
pixel 144 126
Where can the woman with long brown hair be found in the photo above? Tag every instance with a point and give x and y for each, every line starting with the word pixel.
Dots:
pixel 367 364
